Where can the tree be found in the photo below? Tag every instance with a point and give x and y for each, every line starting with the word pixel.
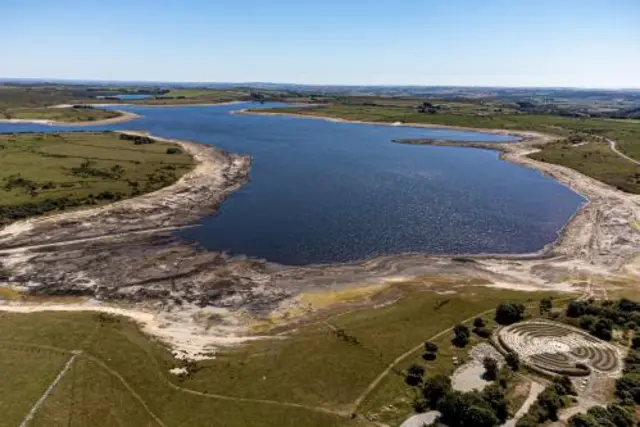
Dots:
pixel 564 386
pixel 460 336
pixel 490 368
pixel 434 388
pixel 478 416
pixel 430 347
pixel 619 416
pixel 495 396
pixel 508 313
pixel 414 375
pixel 513 361
pixel 603 329
pixel 546 304
pixel 583 420
pixel 549 400
pixel 576 308
pixel 478 322
pixel 629 387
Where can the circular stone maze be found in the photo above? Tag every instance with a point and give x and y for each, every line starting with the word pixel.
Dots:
pixel 560 349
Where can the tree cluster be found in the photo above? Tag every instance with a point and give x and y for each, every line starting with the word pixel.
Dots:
pixel 628 386
pixel 611 416
pixel 601 318
pixel 548 403
pixel 430 351
pixel 487 408
pixel 137 139
pixel 480 328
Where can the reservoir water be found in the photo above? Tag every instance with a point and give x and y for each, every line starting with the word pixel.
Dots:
pixel 323 191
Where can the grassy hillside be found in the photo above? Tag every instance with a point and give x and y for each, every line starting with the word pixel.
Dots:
pixel 121 377
pixel 40 173
pixel 593 159
pixel 65 115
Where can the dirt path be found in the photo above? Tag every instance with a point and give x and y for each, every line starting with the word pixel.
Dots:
pixel 534 391
pixel 614 148
pixel 397 360
pixel 413 350
pixel 48 391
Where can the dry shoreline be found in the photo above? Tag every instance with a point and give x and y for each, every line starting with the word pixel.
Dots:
pixel 596 253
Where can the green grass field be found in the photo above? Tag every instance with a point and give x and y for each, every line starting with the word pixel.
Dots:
pixel 193 96
pixel 46 172
pixel 122 377
pixel 595 160
pixel 65 115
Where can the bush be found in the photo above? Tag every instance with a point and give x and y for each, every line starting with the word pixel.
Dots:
pixel 478 322
pixel 173 150
pixel 508 313
pixel 490 369
pixel 428 356
pixel 414 375
pixel 435 388
pixel 482 332
pixel 430 347
pixel 513 360
pixel 546 304
pixel 460 336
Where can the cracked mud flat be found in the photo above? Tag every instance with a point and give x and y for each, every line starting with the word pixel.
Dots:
pixel 125 253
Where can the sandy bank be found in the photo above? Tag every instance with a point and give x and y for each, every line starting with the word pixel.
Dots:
pixel 124 116
pixel 179 329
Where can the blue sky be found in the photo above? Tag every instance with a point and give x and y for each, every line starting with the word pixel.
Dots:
pixel 581 43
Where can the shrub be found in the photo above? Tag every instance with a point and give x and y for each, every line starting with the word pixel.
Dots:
pixel 513 360
pixel 414 375
pixel 428 356
pixel 482 332
pixel 478 322
pixel 460 336
pixel 173 150
pixel 430 347
pixel 490 369
pixel 508 313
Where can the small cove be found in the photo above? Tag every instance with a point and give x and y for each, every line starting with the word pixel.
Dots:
pixel 324 192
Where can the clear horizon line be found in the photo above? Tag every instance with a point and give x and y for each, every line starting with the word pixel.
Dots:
pixel 389 85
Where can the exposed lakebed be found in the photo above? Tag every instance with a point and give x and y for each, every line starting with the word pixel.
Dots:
pixel 322 191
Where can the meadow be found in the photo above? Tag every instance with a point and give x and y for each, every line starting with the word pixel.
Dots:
pixel 41 173
pixel 310 376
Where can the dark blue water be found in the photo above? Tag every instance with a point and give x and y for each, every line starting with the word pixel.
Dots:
pixel 326 192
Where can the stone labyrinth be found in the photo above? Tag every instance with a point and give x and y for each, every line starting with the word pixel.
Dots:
pixel 560 349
